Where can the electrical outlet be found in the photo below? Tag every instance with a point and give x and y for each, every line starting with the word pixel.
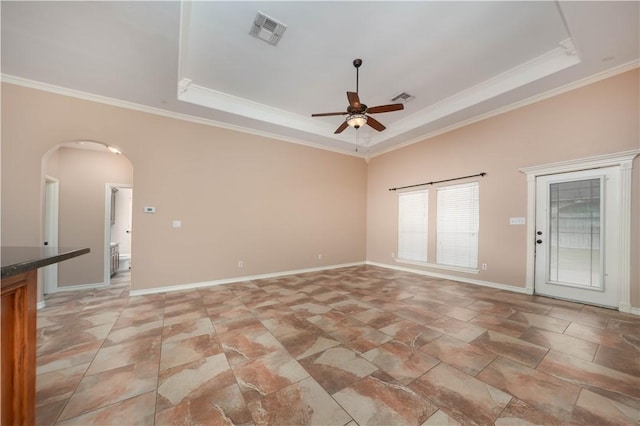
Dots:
pixel 393 255
pixel 484 266
pixel 240 264
pixel 320 256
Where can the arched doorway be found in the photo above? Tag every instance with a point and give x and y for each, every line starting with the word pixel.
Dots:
pixel 83 172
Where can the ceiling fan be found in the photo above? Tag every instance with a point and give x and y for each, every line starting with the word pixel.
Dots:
pixel 357 112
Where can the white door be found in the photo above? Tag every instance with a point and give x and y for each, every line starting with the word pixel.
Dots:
pixel 50 277
pixel 577 236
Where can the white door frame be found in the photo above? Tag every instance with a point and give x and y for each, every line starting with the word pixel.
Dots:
pixel 51 215
pixel 622 160
pixel 604 292
pixel 107 227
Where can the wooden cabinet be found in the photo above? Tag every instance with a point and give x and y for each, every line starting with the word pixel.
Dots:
pixel 19 276
pixel 19 296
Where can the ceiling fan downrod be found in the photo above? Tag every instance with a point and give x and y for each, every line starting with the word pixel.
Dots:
pixel 357 63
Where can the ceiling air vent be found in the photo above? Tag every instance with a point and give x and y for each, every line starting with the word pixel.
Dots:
pixel 267 29
pixel 403 97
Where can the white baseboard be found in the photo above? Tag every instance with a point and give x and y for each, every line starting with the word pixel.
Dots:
pixel 454 278
pixel 632 310
pixel 189 286
pixel 41 304
pixel 80 287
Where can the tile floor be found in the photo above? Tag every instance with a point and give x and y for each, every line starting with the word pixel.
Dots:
pixel 353 346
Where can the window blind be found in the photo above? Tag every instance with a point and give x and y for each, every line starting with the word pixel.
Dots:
pixel 412 225
pixel 457 225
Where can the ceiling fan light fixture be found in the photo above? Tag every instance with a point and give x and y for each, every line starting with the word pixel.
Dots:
pixel 356 110
pixel 357 120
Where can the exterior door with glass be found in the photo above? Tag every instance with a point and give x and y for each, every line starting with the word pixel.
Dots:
pixel 576 236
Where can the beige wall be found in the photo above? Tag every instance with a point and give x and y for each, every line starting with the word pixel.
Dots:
pixel 83 176
pixel 276 205
pixel 51 163
pixel 597 119
pixel 273 205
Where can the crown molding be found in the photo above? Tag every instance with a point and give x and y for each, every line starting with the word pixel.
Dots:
pixel 64 91
pixel 368 152
pixel 513 106
pixel 532 70
pixel 204 96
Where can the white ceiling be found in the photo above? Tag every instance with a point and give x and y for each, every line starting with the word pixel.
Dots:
pixel 461 60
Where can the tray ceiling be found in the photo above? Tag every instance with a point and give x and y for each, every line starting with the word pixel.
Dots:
pixel 460 60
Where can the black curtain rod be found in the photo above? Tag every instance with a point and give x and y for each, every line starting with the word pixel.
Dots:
pixel 438 181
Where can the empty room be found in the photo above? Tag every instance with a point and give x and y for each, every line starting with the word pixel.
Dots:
pixel 324 213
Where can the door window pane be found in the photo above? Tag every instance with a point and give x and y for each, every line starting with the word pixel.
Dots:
pixel 575 233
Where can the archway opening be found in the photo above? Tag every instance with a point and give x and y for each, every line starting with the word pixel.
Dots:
pixel 88 176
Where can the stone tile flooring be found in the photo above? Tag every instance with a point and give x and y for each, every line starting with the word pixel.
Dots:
pixel 352 346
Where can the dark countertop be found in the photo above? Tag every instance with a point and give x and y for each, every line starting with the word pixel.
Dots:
pixel 16 260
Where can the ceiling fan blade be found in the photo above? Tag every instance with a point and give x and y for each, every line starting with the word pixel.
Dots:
pixel 375 124
pixel 326 114
pixel 343 126
pixel 385 108
pixel 354 100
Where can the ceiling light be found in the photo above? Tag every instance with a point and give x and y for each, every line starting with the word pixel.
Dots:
pixel 357 120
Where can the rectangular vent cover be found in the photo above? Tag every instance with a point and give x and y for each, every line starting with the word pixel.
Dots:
pixel 403 97
pixel 267 29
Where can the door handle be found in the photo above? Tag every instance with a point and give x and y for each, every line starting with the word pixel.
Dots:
pixel 539 241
